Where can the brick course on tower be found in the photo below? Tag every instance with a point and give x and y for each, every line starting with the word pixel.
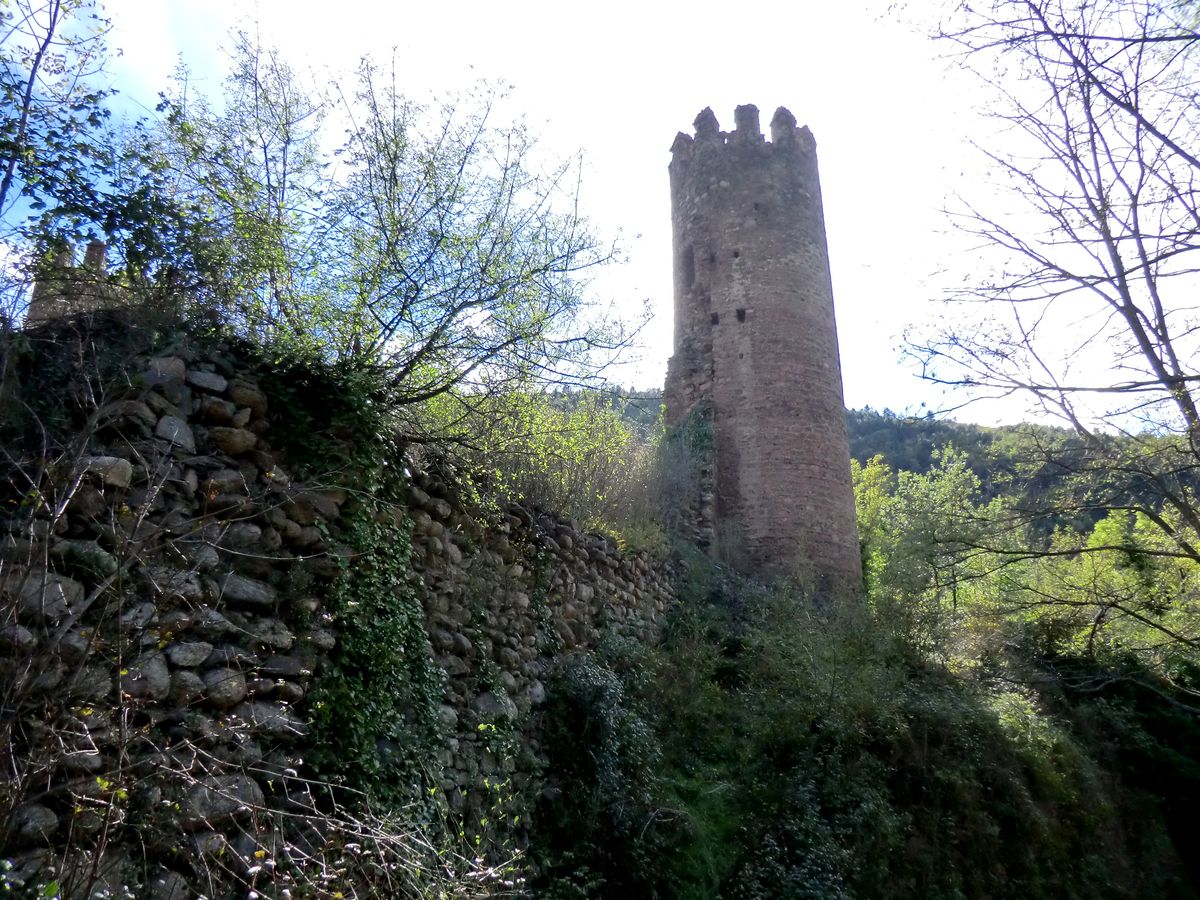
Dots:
pixel 756 351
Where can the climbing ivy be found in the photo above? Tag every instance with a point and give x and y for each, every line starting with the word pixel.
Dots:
pixel 375 707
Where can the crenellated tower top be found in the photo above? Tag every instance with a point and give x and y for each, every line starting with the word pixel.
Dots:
pixel 784 132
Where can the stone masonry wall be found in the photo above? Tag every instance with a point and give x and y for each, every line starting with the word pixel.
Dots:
pixel 513 597
pixel 66 289
pixel 756 349
pixel 162 618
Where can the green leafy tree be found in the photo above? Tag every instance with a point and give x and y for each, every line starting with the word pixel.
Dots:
pixel 48 52
pixel 250 175
pixel 572 452
pixel 920 535
pixel 434 245
pixel 67 174
pixel 1120 592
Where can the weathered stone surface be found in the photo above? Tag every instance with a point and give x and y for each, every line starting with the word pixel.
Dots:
pixel 35 822
pixel 239 589
pixel 242 536
pixel 272 719
pixel 320 639
pixel 168 885
pixel 272 633
pixel 234 441
pixel 286 667
pixel 215 411
pixel 175 583
pixel 90 682
pixel 536 693
pixel 161 406
pixel 288 691
pixel 17 639
pixel 168 366
pixel 82 762
pixel 188 654
pixel 754 362
pixel 137 616
pixel 271 540
pixel 209 844
pixel 112 470
pixel 225 481
pixel 85 557
pixel 218 691
pixel 148 678
pixel 247 395
pixel 176 431
pixel 211 625
pixel 203 557
pixel 220 799
pixel 231 656
pixel 207 381
pixel 310 539
pixel 224 687
pixel 50 597
pixel 47 675
pixel 494 708
pixel 186 687
pixel 131 410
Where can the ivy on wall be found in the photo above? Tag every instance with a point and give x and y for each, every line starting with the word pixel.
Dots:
pixel 375 707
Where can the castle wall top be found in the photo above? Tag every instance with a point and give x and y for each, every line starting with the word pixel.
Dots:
pixel 63 288
pixel 784 132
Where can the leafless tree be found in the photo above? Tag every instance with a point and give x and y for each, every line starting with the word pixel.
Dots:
pixel 1089 307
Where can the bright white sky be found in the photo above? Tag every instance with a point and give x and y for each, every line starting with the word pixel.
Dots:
pixel 618 80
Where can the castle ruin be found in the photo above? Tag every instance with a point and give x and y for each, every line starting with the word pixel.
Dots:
pixel 756 354
pixel 65 289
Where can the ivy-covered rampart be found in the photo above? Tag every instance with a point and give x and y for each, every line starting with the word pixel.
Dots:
pixel 246 635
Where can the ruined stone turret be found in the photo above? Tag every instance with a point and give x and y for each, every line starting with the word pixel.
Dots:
pixel 756 350
pixel 65 289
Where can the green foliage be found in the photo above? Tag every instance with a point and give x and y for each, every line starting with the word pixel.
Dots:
pixel 337 421
pixel 797 751
pixel 67 173
pixel 250 178
pixel 374 709
pixel 572 453
pixel 598 827
pixel 919 535
pixel 1094 569
pixel 433 250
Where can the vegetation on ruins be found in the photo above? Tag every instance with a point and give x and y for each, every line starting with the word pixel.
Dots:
pixel 434 245
pixel 385 379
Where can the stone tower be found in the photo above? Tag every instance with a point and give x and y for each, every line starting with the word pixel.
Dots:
pixel 756 352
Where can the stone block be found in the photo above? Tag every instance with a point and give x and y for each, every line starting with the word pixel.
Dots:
pixel 176 431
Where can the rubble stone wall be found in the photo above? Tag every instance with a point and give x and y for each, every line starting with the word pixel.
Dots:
pixel 163 586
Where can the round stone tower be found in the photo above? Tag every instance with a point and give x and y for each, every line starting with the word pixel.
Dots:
pixel 756 351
